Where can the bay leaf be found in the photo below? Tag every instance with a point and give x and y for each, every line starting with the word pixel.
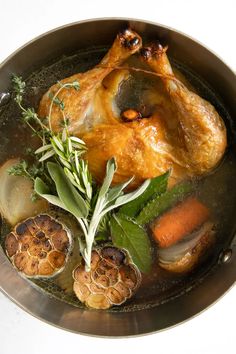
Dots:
pixel 127 234
pixel 162 202
pixel 157 186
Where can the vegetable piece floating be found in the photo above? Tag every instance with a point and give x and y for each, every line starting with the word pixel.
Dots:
pixel 15 196
pixel 179 222
pixel 39 246
pixel 183 234
pixel 111 281
pixel 186 254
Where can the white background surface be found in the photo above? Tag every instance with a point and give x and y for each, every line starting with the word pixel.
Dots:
pixel 211 22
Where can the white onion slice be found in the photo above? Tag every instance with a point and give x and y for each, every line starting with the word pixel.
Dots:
pixel 181 248
pixel 15 196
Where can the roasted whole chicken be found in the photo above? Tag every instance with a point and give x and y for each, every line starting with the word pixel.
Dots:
pixel 182 131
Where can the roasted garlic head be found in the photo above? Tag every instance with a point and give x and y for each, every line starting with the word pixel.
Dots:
pixel 111 281
pixel 39 246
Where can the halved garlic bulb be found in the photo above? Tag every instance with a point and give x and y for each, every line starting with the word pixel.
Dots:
pixel 39 246
pixel 111 281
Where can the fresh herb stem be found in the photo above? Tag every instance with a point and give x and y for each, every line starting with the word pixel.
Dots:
pixel 108 199
pixel 93 225
pixel 51 105
pixel 27 121
pixel 29 113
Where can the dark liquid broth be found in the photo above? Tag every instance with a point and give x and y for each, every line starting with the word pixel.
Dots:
pixel 216 190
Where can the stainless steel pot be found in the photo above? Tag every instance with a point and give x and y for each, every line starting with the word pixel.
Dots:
pixel 65 40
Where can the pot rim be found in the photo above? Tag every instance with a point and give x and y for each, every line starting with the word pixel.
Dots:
pixel 4 260
pixel 128 19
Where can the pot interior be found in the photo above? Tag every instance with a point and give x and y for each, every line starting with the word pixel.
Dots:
pixel 77 48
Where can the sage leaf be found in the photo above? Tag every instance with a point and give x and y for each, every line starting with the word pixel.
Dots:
pixel 127 234
pixel 40 187
pixel 67 192
pixel 128 197
pixel 162 202
pixel 110 170
pixel 43 191
pixel 157 186
pixel 117 191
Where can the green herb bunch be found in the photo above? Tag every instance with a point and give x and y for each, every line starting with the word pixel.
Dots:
pixel 70 173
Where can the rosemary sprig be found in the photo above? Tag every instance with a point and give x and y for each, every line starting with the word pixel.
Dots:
pixel 67 150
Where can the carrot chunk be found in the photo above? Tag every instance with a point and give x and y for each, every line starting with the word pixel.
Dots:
pixel 180 221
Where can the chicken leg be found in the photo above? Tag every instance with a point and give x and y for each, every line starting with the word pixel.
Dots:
pixel 202 129
pixel 78 105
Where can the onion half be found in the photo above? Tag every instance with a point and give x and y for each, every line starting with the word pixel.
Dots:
pixel 184 255
pixel 15 196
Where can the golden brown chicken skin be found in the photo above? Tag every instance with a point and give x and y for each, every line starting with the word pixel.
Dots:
pixel 201 128
pixel 184 132
pixel 141 150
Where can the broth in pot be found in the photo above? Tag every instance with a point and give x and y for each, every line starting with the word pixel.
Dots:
pixel 93 235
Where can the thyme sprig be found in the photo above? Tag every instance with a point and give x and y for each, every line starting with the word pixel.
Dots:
pixel 29 115
pixel 56 100
pixel 21 169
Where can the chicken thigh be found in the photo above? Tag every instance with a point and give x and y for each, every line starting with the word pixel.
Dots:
pixel 202 130
pixel 184 133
